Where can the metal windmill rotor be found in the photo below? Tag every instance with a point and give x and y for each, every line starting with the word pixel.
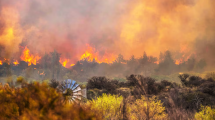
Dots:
pixel 72 91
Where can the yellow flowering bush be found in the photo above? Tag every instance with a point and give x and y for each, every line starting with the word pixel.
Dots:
pixel 38 101
pixel 147 109
pixel 206 113
pixel 20 79
pixel 108 105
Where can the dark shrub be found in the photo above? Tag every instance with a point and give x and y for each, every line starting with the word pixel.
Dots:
pixel 187 98
pixel 93 93
pixel 163 85
pixel 166 83
pixel 125 92
pixel 183 78
pixel 142 85
pixel 195 81
pixel 208 87
pixel 102 83
pixel 123 84
pixel 132 81
pixel 114 82
pixel 54 83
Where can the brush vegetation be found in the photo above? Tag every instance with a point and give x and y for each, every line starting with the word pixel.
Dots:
pixel 137 97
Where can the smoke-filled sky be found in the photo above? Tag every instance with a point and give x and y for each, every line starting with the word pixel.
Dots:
pixel 111 27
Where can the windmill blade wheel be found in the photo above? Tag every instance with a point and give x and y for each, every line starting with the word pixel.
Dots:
pixel 72 91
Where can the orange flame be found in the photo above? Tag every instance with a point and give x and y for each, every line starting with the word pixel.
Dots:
pixel 16 63
pixel 91 55
pixel 64 63
pixel 0 62
pixel 27 57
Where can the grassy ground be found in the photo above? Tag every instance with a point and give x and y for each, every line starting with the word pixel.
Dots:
pixel 172 78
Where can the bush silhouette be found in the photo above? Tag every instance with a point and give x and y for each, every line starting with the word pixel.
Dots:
pixel 208 87
pixel 102 83
pixel 143 85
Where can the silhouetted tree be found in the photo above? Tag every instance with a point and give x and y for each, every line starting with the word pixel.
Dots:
pixel 132 65
pixel 201 64
pixel 45 61
pixel 161 57
pixel 144 59
pixel 167 65
pixel 143 85
pixel 191 64
pixel 120 59
pixel 55 58
pixel 152 59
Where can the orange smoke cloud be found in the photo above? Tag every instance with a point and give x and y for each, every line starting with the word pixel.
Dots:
pixel 10 33
pixel 109 27
pixel 155 26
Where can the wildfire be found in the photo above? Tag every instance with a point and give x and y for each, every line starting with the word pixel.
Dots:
pixel 72 65
pixel 27 57
pixel 0 62
pixel 16 63
pixel 91 55
pixel 64 63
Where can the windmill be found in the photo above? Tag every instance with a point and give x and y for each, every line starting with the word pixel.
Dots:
pixel 72 91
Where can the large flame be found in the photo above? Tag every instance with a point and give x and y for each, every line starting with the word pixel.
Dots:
pixel 91 55
pixel 29 58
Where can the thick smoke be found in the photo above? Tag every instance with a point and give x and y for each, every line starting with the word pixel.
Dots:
pixel 110 26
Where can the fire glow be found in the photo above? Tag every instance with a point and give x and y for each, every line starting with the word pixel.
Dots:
pixel 16 63
pixel 64 62
pixel 92 55
pixel 29 58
